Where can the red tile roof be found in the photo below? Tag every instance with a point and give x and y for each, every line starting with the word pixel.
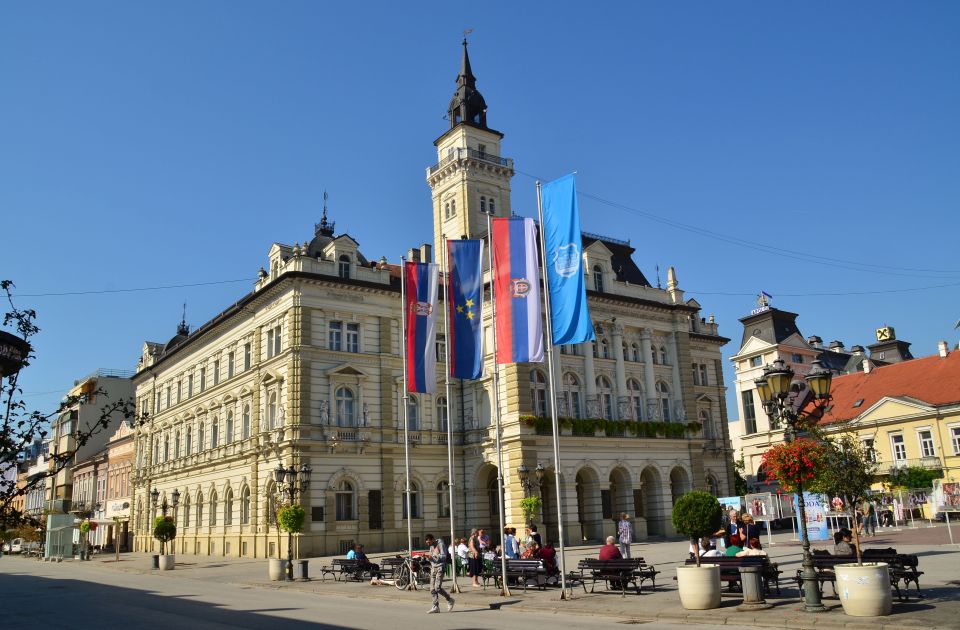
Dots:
pixel 933 380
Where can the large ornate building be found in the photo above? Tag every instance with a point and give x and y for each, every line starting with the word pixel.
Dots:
pixel 306 369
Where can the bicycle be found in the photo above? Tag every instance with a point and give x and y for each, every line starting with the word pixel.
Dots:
pixel 409 570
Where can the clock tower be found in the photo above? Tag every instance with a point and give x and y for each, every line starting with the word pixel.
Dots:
pixel 470 177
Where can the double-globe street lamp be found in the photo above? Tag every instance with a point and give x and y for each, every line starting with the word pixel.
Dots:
pixel 524 474
pixel 175 496
pixel 775 388
pixel 290 483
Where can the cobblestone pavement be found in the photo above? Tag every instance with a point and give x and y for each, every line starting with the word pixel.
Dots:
pixel 939 608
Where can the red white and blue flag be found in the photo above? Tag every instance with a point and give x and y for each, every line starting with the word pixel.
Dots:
pixel 517 291
pixel 420 295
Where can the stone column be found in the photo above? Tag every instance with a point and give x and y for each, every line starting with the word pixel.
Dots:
pixel 591 409
pixel 678 413
pixel 649 381
pixel 623 401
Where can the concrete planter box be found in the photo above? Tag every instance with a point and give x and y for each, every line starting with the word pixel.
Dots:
pixel 864 590
pixel 277 569
pixel 167 562
pixel 699 587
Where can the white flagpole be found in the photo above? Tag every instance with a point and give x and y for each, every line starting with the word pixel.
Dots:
pixel 406 398
pixel 553 398
pixel 505 591
pixel 446 382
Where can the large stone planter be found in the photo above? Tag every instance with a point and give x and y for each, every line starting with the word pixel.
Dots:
pixel 864 590
pixel 699 587
pixel 167 562
pixel 277 569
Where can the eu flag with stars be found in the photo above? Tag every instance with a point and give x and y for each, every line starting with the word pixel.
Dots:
pixel 465 301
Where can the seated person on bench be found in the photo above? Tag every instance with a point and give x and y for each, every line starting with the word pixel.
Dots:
pixel 357 554
pixel 842 545
pixel 753 549
pixel 610 551
pixel 734 545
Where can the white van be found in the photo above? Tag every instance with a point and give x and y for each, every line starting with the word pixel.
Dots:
pixel 16 545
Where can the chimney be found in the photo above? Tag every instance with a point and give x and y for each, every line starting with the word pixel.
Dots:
pixel 426 253
pixel 836 346
pixel 943 348
pixel 815 341
pixel 857 350
pixel 413 255
pixel 866 366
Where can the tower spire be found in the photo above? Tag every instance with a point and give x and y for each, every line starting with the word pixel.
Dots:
pixel 182 328
pixel 467 105
pixel 325 227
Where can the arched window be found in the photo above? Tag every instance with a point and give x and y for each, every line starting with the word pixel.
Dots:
pixel 446 210
pixel 188 447
pixel 272 411
pixel 246 422
pixel 201 438
pixel 213 508
pixel 176 445
pixel 442 413
pixel 245 506
pixel 538 393
pixel 696 375
pixel 345 501
pixel 166 447
pixel 663 399
pixel 271 514
pixel 415 504
pixel 703 417
pixel 413 413
pixel 483 204
pixel 635 353
pixel 493 498
pixel 453 207
pixel 604 349
pixel 186 511
pixel 229 427
pixel 663 355
pixel 653 354
pixel 215 433
pixel 344 266
pixel 199 509
pixel 228 507
pixel 598 278
pixel 491 206
pixel 713 485
pixel 443 499
pixel 596 349
pixel 346 416
pixel 605 397
pixel 636 398
pixel 571 391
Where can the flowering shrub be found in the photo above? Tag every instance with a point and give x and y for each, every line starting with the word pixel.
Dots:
pixel 795 463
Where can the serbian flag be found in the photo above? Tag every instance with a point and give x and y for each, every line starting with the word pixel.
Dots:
pixel 465 291
pixel 420 295
pixel 517 290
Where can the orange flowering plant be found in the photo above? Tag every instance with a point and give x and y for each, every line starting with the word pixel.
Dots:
pixel 794 463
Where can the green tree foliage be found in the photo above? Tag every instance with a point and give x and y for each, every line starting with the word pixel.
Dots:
pixel 913 477
pixel 290 518
pixel 697 514
pixel 164 530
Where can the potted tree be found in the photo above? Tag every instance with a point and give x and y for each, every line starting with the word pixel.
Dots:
pixel 697 514
pixel 531 506
pixel 85 529
pixel 848 472
pixel 165 530
pixel 290 519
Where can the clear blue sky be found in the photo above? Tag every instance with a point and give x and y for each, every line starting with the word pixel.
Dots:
pixel 172 143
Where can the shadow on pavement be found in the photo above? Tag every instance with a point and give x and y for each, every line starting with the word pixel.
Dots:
pixel 68 603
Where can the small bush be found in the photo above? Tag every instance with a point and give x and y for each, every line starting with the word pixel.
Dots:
pixel 290 518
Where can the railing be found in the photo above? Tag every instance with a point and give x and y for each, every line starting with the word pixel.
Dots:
pixel 348 436
pixel 928 463
pixel 483 156
pixel 103 372
pixel 608 239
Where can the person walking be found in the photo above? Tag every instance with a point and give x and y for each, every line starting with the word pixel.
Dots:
pixel 438 561
pixel 625 534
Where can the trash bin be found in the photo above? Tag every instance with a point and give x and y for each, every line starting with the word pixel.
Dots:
pixel 156 561
pixel 302 571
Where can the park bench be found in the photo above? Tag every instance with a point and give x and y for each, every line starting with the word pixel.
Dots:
pixel 342 570
pixel 902 567
pixel 730 569
pixel 620 572
pixel 522 571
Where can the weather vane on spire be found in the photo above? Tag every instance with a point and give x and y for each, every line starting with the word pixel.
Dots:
pixel 466 32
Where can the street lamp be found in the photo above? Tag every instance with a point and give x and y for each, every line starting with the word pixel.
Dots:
pixel 291 482
pixel 155 498
pixel 774 389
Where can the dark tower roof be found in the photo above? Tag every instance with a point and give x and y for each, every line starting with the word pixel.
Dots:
pixel 467 105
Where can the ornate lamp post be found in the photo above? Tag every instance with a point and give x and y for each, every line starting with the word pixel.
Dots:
pixel 290 483
pixel 155 498
pixel 524 474
pixel 775 388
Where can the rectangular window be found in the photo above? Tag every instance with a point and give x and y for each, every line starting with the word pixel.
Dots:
pixel 169 395
pixel 353 337
pixel 696 375
pixel 190 386
pixel 336 336
pixel 749 414
pixel 926 444
pixel 756 361
pixel 277 337
pixel 797 358
pixel 270 343
pixel 375 502
pixel 246 356
pixel 442 347
pixel 316 514
pixel 955 437
pixel 229 365
pixel 871 452
pixel 216 372
pixel 899 449
pixel 179 391
pixel 703 374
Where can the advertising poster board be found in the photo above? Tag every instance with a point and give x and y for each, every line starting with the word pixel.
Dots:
pixel 816 516
pixel 949 499
pixel 760 506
